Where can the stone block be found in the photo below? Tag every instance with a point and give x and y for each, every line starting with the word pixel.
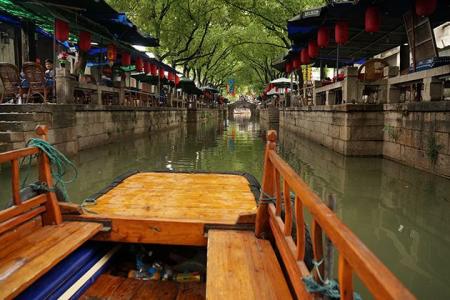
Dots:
pixel 442 166
pixel 344 133
pixel 366 133
pixel 392 150
pixel 61 135
pixel 8 137
pixel 443 139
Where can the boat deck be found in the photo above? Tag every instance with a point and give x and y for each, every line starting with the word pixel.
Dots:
pixel 114 288
pixel 173 208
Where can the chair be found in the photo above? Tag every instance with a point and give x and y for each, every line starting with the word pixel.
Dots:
pixel 35 75
pixel 369 72
pixel 372 70
pixel 9 75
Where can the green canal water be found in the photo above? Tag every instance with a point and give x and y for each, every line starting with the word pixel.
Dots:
pixel 401 214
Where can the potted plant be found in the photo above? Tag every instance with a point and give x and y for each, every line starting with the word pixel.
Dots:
pixel 62 59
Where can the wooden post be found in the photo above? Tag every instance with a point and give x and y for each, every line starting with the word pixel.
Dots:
pixel 268 186
pixel 52 215
pixel 329 263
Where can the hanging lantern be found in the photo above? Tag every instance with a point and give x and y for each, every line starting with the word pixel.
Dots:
pixel 372 19
pixel 425 7
pixel 288 67
pixel 285 90
pixel 170 76
pixel 153 70
pixel 177 80
pixel 126 59
pixel 147 68
pixel 139 64
pixel 296 63
pixel 111 52
pixel 341 32
pixel 323 37
pixel 313 50
pixel 61 30
pixel 84 41
pixel 304 57
pixel 161 73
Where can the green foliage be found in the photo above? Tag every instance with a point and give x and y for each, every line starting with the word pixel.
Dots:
pixel 392 132
pixel 433 149
pixel 213 41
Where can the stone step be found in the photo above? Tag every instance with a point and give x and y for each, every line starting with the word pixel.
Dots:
pixel 26 116
pixel 14 116
pixel 17 126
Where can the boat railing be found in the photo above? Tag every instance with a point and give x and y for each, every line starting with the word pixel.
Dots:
pixel 280 183
pixel 25 209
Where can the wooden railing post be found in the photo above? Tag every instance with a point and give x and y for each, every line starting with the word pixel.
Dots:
pixel 268 187
pixel 52 215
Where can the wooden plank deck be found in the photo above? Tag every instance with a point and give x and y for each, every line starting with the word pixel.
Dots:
pixel 120 288
pixel 240 266
pixel 25 260
pixel 204 198
pixel 172 208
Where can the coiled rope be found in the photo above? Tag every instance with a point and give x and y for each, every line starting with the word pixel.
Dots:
pixel 60 167
pixel 328 287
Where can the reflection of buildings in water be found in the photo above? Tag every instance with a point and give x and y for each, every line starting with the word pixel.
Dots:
pixel 399 212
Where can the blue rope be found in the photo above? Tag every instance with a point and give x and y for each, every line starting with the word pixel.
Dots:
pixel 329 287
pixel 60 167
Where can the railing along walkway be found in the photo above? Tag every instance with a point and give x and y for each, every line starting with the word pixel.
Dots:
pixel 279 180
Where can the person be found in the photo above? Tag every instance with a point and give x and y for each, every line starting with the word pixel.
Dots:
pixel 49 73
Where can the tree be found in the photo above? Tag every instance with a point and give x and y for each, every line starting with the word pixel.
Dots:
pixel 213 41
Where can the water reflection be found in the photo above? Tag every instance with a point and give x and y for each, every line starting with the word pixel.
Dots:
pixel 402 214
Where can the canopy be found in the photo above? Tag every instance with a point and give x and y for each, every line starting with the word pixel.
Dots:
pixel 285 82
pixel 361 44
pixel 188 86
pixel 94 16
pixel 210 89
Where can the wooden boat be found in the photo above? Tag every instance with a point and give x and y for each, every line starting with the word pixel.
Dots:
pixel 252 250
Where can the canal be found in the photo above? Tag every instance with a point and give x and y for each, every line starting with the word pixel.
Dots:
pixel 402 214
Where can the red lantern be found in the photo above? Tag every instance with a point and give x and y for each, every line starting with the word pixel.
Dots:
pixel 305 57
pixel 84 41
pixel 425 7
pixel 296 63
pixel 153 70
pixel 139 64
pixel 147 67
pixel 177 80
pixel 341 32
pixel 61 30
pixel 372 19
pixel 313 50
pixel 170 76
pixel 111 52
pixel 323 37
pixel 126 59
pixel 288 67
pixel 161 73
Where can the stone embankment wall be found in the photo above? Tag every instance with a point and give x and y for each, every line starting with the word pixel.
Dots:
pixel 73 128
pixel 346 129
pixel 269 115
pixel 415 134
pixel 418 135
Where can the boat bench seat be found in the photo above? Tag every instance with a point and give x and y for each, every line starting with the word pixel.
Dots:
pixel 241 266
pixel 31 250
